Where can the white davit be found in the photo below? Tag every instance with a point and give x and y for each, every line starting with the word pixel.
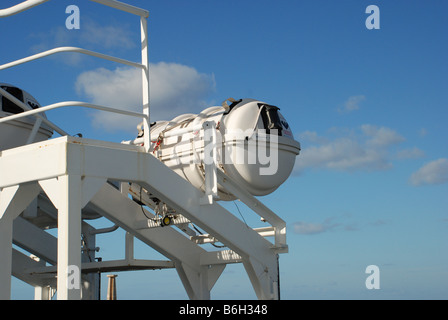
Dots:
pixel 255 145
pixel 15 133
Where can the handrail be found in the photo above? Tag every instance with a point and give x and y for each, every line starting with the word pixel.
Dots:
pixel 71 104
pixel 124 7
pixel 144 66
pixel 69 49
pixel 110 3
pixel 20 7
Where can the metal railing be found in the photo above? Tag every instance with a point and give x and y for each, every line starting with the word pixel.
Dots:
pixel 25 5
pixel 144 66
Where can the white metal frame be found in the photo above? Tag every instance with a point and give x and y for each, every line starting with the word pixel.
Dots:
pixel 79 174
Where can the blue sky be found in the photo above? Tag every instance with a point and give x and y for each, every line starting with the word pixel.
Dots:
pixel 368 106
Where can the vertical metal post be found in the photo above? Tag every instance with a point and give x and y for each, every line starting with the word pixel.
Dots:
pixel 145 82
pixel 69 238
pixel 6 260
pixel 129 247
pixel 90 289
pixel 42 293
pixel 13 200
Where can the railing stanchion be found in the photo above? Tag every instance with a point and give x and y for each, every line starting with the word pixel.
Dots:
pixel 145 83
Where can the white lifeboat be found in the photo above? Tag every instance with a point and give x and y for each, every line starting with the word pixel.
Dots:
pixel 15 133
pixel 255 144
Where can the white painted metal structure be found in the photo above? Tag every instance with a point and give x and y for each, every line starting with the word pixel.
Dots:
pixel 65 181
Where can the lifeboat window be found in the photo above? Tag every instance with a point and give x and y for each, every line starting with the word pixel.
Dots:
pixel 9 106
pixel 271 119
pixel 33 104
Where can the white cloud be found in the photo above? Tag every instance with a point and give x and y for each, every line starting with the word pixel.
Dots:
pixel 312 136
pixel 308 228
pixel 381 136
pixel 301 227
pixel 335 223
pixel 91 35
pixel 352 103
pixel 422 132
pixel 57 37
pixel 329 224
pixel 174 89
pixel 367 148
pixel 434 172
pixel 411 153
pixel 108 36
pixel 343 153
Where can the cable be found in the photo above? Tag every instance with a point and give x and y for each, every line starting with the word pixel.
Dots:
pixel 199 231
pixel 141 207
pixel 240 213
